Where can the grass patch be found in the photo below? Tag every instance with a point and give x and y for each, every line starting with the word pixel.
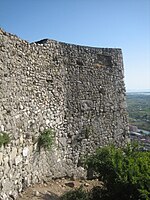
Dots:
pixel 4 139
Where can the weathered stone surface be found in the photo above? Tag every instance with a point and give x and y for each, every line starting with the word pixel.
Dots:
pixel 25 151
pixel 76 91
pixel 36 193
pixel 6 185
pixel 13 153
pixel 1 157
pixel 18 159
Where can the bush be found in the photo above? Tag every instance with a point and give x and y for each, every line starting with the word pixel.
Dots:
pixel 77 194
pixel 46 139
pixel 124 171
pixel 4 139
pixel 98 193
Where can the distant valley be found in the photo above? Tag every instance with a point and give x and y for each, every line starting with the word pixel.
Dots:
pixel 138 106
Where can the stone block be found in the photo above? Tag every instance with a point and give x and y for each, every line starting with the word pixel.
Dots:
pixel 25 151
pixel 13 153
pixel 6 158
pixel 7 185
pixel 18 159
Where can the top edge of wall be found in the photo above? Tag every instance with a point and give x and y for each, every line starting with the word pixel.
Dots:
pixel 46 42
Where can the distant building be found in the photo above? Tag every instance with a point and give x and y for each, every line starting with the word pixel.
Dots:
pixel 133 128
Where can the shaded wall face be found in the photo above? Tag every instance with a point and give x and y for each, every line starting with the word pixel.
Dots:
pixel 77 91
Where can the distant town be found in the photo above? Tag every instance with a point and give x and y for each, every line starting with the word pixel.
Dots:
pixel 138 105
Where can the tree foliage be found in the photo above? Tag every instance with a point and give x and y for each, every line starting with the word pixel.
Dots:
pixel 124 171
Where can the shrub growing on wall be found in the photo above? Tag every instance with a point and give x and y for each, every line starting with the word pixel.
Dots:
pixel 46 139
pixel 4 139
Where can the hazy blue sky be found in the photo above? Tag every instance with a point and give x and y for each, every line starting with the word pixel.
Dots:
pixel 102 23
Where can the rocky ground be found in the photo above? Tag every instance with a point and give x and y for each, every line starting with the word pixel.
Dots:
pixel 55 188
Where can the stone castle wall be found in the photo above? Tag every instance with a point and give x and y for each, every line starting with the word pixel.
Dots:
pixel 76 91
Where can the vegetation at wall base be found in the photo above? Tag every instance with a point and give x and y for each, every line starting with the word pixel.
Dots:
pixel 46 139
pixel 4 139
pixel 77 194
pixel 125 173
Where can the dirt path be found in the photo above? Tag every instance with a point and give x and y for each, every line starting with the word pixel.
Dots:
pixel 54 189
